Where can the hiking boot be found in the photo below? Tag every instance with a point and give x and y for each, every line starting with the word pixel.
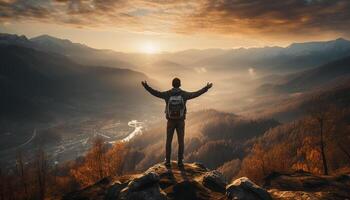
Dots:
pixel 180 163
pixel 167 164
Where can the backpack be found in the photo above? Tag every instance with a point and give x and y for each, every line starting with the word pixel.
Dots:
pixel 176 107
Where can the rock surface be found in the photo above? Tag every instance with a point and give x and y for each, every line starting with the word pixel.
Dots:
pixel 145 187
pixel 302 185
pixel 148 179
pixel 245 189
pixel 215 181
pixel 195 182
pixel 157 183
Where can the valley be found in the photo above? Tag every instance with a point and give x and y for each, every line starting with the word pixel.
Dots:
pixel 71 140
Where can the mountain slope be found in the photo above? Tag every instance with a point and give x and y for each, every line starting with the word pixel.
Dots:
pixel 81 53
pixel 319 76
pixel 52 81
pixel 331 72
pixel 296 57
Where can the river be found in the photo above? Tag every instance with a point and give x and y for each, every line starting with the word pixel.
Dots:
pixel 69 148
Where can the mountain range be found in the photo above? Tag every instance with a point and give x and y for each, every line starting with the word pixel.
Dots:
pixel 311 78
pixel 293 58
pixel 47 58
pixel 41 86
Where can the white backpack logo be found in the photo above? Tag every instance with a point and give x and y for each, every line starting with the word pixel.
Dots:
pixel 176 107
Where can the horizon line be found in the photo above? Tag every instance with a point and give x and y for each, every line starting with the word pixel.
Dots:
pixel 172 52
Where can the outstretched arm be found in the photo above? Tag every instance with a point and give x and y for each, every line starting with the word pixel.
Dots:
pixel 191 95
pixel 154 92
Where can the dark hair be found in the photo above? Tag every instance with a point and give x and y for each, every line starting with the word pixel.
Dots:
pixel 176 83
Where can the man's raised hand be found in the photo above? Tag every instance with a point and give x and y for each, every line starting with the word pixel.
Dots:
pixel 209 85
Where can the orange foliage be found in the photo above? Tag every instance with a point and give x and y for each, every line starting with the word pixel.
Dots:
pixel 100 162
pixel 309 156
pixel 297 146
pixel 262 161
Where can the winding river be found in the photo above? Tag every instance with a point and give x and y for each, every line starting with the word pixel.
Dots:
pixel 71 147
pixel 138 126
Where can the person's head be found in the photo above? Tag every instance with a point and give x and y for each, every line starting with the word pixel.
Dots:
pixel 176 83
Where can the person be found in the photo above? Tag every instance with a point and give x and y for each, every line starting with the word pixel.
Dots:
pixel 175 112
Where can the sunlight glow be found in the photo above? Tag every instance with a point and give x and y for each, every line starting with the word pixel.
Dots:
pixel 149 48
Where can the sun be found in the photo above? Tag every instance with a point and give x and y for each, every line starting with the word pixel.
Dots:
pixel 149 48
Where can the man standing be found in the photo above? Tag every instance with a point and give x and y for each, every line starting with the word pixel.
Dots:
pixel 175 111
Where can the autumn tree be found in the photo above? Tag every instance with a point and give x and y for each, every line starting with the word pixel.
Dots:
pixel 320 116
pixel 340 130
pixel 308 155
pixel 264 160
pixel 22 174
pixel 100 162
pixel 41 169
pixel 115 159
pixel 254 166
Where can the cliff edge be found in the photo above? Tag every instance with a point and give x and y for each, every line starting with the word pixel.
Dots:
pixel 195 182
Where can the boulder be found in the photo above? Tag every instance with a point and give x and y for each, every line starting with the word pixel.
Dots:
pixel 145 187
pixel 150 193
pixel 114 190
pixel 215 181
pixel 189 190
pixel 245 189
pixel 143 181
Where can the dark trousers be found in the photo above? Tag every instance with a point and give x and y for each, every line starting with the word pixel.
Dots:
pixel 179 126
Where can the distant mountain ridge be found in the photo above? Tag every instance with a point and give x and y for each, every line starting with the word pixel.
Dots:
pixel 339 44
pixel 53 44
pixel 293 58
pixel 311 78
pixel 9 39
pixel 77 52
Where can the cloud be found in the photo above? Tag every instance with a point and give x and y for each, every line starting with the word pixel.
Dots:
pixel 270 18
pixel 82 13
pixel 22 9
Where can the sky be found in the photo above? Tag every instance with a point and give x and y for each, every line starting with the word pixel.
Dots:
pixel 152 26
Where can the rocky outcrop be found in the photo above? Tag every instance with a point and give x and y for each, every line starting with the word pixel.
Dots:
pixel 215 181
pixel 191 182
pixel 195 182
pixel 302 185
pixel 245 189
pixel 144 187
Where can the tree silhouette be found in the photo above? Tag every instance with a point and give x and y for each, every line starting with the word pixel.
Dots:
pixel 41 167
pixel 319 113
pixel 21 172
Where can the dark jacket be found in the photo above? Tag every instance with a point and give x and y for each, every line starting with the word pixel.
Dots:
pixel 175 91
